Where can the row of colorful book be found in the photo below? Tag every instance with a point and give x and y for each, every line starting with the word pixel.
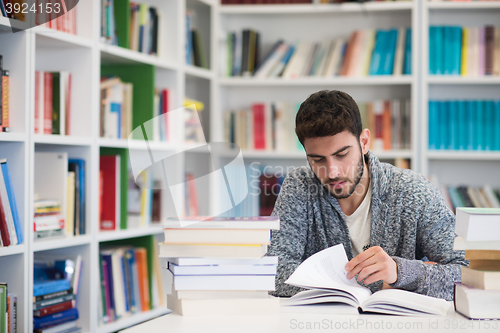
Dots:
pixel 217 265
pixel 139 32
pixel 389 122
pixel 58 16
pixel 470 196
pixel 478 294
pixel 465 51
pixel 365 52
pixel 126 202
pixel 464 125
pixel 128 284
pixel 11 231
pixel 263 126
pixel 60 195
pixel 4 98
pixel 56 285
pixel 53 102
pixel 196 54
pixel 8 309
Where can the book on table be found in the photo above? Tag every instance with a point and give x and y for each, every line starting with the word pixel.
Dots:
pixel 475 303
pixel 478 224
pixel 326 278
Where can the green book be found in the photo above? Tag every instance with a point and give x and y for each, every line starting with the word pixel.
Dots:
pixel 56 103
pixel 3 306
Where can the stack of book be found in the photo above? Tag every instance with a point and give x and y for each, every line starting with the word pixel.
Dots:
pixel 4 98
pixel 52 102
pixel 464 124
pixel 129 284
pixel 470 196
pixel 217 265
pixel 11 231
pixel 48 220
pixel 144 23
pixel 8 309
pixel 116 108
pixel 55 292
pixel 465 51
pixel 365 52
pixel 478 231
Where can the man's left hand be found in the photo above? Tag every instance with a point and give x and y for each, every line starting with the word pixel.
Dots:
pixel 373 264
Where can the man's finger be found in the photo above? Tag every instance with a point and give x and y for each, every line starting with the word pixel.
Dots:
pixel 361 257
pixel 355 270
pixel 368 270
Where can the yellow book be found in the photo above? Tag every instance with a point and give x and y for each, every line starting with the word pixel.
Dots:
pixel 70 204
pixel 197 104
pixel 465 42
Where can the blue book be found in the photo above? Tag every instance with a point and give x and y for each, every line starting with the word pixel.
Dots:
pixel 478 131
pixel 189 40
pixel 389 52
pixel 432 50
pixel 407 59
pixel 462 126
pixel 456 54
pixel 117 108
pixel 439 50
pixel 489 126
pixel 455 197
pixel 443 125
pixel 376 59
pixel 453 125
pixel 470 108
pixel 78 165
pixel 44 287
pixel 433 125
pixel 126 286
pixel 134 281
pixel 55 319
pixel 12 201
pixel 496 130
pixel 448 50
pixel 107 258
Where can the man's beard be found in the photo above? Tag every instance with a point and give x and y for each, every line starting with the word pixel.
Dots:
pixel 359 174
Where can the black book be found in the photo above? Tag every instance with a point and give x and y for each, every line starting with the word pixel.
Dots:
pixel 196 50
pixel 154 15
pixel 245 45
pixel 53 301
pixel 233 55
pixel 462 190
pixel 257 52
pixel 53 295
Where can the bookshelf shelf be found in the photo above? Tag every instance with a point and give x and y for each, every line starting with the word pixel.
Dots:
pixel 137 144
pixel 54 38
pixel 67 140
pixel 5 24
pixel 132 320
pixel 463 155
pixel 198 72
pixel 11 250
pixel 312 82
pixel 58 243
pixel 112 54
pixel 316 8
pixel 463 80
pixel 106 236
pixel 464 5
pixel 12 137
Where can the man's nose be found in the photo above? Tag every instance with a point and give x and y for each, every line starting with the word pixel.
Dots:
pixel 333 169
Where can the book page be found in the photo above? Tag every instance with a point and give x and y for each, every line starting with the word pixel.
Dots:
pixel 326 269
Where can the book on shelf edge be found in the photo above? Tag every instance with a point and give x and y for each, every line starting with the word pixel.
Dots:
pixel 325 276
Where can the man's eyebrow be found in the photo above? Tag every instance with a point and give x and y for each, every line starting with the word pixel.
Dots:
pixel 335 153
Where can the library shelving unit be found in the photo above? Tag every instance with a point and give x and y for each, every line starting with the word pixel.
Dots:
pixel 313 22
pixel 457 167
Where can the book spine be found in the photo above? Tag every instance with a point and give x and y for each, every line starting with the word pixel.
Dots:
pixel 54 309
pixel 55 319
pixel 41 304
pixel 5 101
pixel 53 295
pixel 47 125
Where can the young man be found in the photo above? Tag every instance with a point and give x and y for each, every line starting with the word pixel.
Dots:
pixel 390 220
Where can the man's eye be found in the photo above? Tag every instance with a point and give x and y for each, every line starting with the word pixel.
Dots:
pixel 338 155
pixel 318 160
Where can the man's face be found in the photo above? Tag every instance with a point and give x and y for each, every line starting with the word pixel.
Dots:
pixel 337 161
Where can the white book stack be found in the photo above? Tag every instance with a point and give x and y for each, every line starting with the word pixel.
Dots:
pixel 217 265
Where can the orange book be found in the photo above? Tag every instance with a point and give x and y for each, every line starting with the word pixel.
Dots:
pixel 142 272
pixel 358 42
pixel 5 101
pixel 387 125
pixel 348 53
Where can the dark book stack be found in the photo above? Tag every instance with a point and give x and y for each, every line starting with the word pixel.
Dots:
pixel 55 295
pixel 243 50
pixel 196 53
pixel 143 28
pixel 8 309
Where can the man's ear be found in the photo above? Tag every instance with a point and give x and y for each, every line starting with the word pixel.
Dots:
pixel 364 140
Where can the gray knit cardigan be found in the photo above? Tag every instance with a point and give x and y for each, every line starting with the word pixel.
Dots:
pixel 409 220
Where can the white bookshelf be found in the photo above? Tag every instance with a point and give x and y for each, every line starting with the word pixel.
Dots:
pixel 456 167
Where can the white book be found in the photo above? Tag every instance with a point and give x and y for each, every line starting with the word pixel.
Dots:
pixel 400 47
pixel 63 91
pixel 219 294
pixel 272 61
pixel 224 282
pixel 208 222
pixel 222 269
pixel 294 66
pixel 182 261
pixel 366 53
pixel 476 303
pixel 118 286
pixel 223 250
pixel 335 58
pixel 51 177
pixel 461 244
pixel 478 224
pixel 324 274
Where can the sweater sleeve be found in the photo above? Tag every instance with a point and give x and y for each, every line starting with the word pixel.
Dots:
pixel 435 237
pixel 289 242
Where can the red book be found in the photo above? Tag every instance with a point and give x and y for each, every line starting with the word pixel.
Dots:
pixel 110 215
pixel 54 309
pixel 4 231
pixel 37 99
pixel 47 112
pixel 165 110
pixel 259 133
pixel 387 125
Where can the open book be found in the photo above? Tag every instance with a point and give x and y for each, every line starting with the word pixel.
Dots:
pixel 324 274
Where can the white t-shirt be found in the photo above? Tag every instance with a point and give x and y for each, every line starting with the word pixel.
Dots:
pixel 359 224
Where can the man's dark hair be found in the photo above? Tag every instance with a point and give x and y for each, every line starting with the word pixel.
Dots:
pixel 326 113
